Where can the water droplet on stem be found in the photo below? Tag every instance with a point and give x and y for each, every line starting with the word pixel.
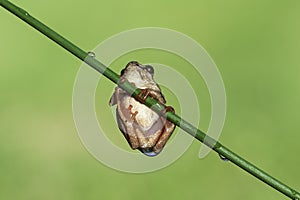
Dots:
pixel 92 54
pixel 23 11
pixel 223 158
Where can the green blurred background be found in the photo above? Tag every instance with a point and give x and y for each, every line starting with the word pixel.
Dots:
pixel 256 46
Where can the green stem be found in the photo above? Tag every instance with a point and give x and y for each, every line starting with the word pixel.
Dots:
pixel 150 102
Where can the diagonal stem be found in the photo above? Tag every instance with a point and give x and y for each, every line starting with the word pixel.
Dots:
pixel 150 102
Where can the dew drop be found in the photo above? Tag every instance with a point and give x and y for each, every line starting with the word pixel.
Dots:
pixel 223 158
pixel 24 11
pixel 92 54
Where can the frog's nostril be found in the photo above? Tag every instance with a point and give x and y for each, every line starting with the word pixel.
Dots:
pixel 134 63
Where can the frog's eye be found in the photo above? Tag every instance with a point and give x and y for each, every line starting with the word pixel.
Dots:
pixel 150 69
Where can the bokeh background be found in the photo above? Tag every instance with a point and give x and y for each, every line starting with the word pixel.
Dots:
pixel 256 46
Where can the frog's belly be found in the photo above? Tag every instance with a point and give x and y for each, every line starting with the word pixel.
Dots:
pixel 145 117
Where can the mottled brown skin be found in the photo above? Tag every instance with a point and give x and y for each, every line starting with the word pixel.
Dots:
pixel 143 128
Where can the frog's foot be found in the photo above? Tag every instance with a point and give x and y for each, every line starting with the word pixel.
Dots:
pixel 168 108
pixel 142 96
pixel 132 115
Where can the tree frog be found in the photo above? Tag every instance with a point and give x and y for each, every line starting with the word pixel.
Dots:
pixel 143 128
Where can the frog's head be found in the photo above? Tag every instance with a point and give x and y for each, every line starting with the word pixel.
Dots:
pixel 134 71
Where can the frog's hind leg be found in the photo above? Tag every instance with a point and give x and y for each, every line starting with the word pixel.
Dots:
pixel 132 137
pixel 149 138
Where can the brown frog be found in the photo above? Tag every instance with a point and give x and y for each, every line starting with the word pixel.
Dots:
pixel 143 128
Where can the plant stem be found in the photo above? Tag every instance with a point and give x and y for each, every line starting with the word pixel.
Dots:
pixel 150 102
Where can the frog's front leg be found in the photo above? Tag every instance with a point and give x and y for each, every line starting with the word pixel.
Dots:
pixel 142 96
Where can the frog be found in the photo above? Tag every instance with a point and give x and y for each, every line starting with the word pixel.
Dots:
pixel 143 128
